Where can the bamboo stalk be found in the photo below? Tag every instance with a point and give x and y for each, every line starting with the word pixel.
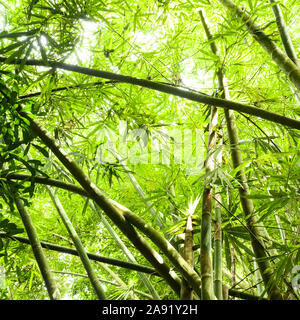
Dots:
pixel 218 249
pixel 186 292
pixel 41 259
pixel 78 244
pixel 257 233
pixel 202 98
pixel 286 42
pixel 284 34
pixel 221 291
pixel 207 204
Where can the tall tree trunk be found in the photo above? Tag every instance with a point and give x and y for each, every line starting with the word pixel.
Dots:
pixel 284 62
pixel 257 233
pixel 38 250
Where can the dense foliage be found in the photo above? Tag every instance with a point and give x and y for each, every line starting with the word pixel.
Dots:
pixel 145 149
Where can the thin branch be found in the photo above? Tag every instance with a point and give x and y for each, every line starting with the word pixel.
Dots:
pixel 92 256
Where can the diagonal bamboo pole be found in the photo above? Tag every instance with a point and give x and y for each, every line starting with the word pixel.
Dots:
pixel 92 256
pixel 284 34
pixel 37 250
pixel 286 42
pixel 166 88
pixel 78 244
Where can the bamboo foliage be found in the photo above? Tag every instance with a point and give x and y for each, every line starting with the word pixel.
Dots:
pixel 157 71
pixel 282 60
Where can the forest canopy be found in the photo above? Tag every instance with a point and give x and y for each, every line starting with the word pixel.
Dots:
pixel 149 150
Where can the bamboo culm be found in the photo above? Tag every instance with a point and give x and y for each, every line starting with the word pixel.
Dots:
pixel 37 249
pixel 166 88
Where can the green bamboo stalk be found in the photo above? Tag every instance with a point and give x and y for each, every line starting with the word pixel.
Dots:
pixel 281 59
pixel 37 250
pixel 284 34
pixel 78 244
pixel 106 205
pixel 286 42
pixel 207 203
pixel 202 98
pixel 205 255
pixel 186 292
pixel 126 251
pixel 258 279
pixel 218 249
pixel 219 288
pixel 207 292
pixel 257 232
